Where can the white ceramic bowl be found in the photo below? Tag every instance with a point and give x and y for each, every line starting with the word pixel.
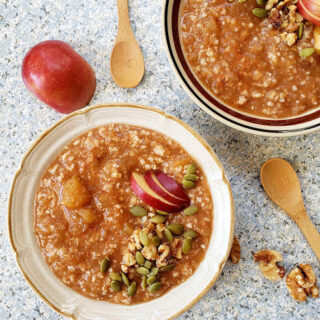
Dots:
pixel 20 216
pixel 300 124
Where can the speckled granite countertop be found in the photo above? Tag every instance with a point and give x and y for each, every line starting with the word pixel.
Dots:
pixel 90 27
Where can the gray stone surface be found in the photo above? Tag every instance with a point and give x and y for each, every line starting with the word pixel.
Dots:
pixel 90 27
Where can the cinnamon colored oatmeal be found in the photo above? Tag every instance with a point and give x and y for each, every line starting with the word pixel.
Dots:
pixel 99 237
pixel 258 57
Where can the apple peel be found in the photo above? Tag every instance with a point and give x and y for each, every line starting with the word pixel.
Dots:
pixel 157 187
pixel 171 185
pixel 149 197
pixel 310 10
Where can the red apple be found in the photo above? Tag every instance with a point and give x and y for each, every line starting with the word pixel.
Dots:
pixel 58 76
pixel 149 197
pixel 171 185
pixel 158 188
pixel 310 10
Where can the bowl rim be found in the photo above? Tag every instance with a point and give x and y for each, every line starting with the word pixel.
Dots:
pixel 109 105
pixel 217 109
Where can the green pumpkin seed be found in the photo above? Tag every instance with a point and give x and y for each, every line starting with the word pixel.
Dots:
pixel 158 219
pixel 138 211
pixel 260 12
pixel 190 211
pixel 154 271
pixel 144 282
pixel 140 258
pixel 306 52
pixel 242 1
pixel 190 177
pixel 143 236
pixel 156 241
pixel 148 264
pixel 188 184
pixel 192 168
pixel 262 3
pixel 125 279
pixel 187 245
pixel 115 276
pixel 190 234
pixel 168 235
pixel 105 265
pixel 176 228
pixel 143 270
pixel 115 285
pixel 300 31
pixel 132 289
pixel 151 279
pixel 167 268
pixel 163 213
pixel 154 287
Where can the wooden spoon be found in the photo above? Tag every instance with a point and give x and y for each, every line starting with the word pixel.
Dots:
pixel 126 63
pixel 282 185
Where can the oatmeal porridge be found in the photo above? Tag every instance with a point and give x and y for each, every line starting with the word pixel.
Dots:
pixel 256 56
pixel 123 214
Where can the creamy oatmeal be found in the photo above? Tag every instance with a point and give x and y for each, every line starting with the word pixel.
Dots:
pixel 258 61
pixel 96 234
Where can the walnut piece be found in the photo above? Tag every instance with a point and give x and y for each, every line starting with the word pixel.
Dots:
pixel 164 251
pixel 176 248
pixel 309 279
pixel 301 282
pixel 268 264
pixel 235 252
pixel 159 230
pixel 150 252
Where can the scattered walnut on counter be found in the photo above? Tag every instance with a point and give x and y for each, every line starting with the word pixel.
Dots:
pixel 301 282
pixel 268 263
pixel 235 252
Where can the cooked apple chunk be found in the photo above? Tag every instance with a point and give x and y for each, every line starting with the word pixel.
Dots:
pixel 74 194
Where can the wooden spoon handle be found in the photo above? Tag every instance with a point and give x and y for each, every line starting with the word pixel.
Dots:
pixel 309 231
pixel 124 27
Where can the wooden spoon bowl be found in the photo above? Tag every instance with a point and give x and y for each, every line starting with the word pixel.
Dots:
pixel 126 63
pixel 281 183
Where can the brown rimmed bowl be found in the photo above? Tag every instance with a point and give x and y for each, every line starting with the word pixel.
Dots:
pixel 20 216
pixel 303 123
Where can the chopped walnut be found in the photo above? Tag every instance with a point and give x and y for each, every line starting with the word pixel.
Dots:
pixel 275 18
pixel 235 252
pixel 132 246
pixel 309 279
pixel 176 248
pixel 124 268
pixel 295 290
pixel 315 291
pixel 150 252
pixel 283 15
pixel 136 239
pixel 129 259
pixel 164 251
pixel 159 230
pixel 270 4
pixel 268 264
pixel 149 226
pixel 301 281
pixel 282 4
pixel 289 38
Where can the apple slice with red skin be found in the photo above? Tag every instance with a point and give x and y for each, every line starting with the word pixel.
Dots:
pixel 157 187
pixel 172 186
pixel 310 10
pixel 149 197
